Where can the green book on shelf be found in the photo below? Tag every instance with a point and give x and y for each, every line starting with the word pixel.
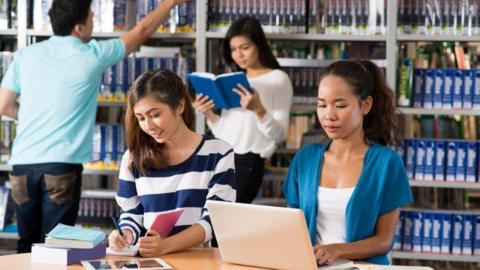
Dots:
pixel 64 236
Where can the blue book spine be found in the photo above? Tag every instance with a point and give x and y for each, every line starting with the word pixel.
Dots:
pixel 97 144
pixel 399 232
pixel 427 232
pixel 457 234
pixel 429 88
pixel 109 146
pixel 447 99
pixel 447 229
pixel 103 149
pixel 417 231
pixel 440 160
pixel 458 90
pixel 115 145
pixel 408 231
pixel 429 170
pixel 131 70
pixel 436 232
pixel 467 243
pixel 410 157
pixel 461 161
pixel 114 84
pixel 120 15
pixel 476 87
pixel 451 160
pixel 419 87
pixel 468 87
pixel 419 160
pixel 476 241
pixel 438 88
pixel 472 161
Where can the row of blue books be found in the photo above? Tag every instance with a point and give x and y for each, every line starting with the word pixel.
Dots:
pixel 118 78
pixel 277 16
pixel 108 147
pixel 441 160
pixel 182 17
pixel 446 88
pixel 438 17
pixel 444 232
pixel 363 17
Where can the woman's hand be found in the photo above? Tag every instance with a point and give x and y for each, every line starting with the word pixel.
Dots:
pixel 250 101
pixel 152 245
pixel 205 105
pixel 117 242
pixel 325 254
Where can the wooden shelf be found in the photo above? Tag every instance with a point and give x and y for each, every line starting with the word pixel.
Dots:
pixel 8 32
pixel 8 168
pixel 434 256
pixel 310 37
pixel 9 235
pixel 444 184
pixel 175 36
pixel 421 111
pixel 112 103
pixel 438 38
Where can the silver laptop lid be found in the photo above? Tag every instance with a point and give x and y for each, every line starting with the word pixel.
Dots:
pixel 262 236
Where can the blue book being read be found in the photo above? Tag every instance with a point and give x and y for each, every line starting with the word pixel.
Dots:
pixel 64 236
pixel 220 88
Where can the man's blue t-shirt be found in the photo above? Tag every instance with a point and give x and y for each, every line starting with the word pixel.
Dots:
pixel 382 187
pixel 58 81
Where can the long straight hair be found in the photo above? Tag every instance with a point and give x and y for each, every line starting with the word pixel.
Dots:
pixel 366 79
pixel 166 87
pixel 250 28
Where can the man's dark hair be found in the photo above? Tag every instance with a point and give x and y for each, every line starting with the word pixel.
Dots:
pixel 65 14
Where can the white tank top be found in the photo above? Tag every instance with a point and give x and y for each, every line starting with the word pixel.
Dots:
pixel 332 204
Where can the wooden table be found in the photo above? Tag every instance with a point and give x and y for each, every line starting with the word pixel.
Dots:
pixel 194 259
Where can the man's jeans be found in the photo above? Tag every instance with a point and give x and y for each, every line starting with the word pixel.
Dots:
pixel 45 194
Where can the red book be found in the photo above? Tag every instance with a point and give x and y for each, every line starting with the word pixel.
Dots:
pixel 165 221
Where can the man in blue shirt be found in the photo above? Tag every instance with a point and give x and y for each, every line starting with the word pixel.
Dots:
pixel 57 81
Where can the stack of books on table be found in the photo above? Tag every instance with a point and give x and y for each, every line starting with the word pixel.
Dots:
pixel 66 245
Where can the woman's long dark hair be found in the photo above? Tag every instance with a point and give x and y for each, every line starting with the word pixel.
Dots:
pixel 366 79
pixel 252 29
pixel 166 87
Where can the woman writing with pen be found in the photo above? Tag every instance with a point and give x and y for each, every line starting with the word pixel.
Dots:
pixel 168 166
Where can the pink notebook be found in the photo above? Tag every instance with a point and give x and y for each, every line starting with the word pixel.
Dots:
pixel 164 222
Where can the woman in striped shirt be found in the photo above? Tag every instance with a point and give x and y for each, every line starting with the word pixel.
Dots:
pixel 168 166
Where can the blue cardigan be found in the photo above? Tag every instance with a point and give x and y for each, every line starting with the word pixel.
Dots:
pixel 382 187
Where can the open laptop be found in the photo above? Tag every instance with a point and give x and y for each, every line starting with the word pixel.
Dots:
pixel 263 236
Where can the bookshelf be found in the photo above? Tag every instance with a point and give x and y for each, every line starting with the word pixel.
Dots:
pixel 201 37
pixel 434 257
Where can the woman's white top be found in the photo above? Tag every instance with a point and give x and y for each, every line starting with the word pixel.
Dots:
pixel 332 204
pixel 244 131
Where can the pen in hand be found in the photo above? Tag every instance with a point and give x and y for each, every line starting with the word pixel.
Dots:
pixel 117 226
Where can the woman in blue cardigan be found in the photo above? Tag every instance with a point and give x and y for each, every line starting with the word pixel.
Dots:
pixel 352 187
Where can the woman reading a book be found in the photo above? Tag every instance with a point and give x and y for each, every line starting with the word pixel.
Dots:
pixel 260 125
pixel 168 166
pixel 351 188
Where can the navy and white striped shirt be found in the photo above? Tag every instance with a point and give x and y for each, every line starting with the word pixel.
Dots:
pixel 208 174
